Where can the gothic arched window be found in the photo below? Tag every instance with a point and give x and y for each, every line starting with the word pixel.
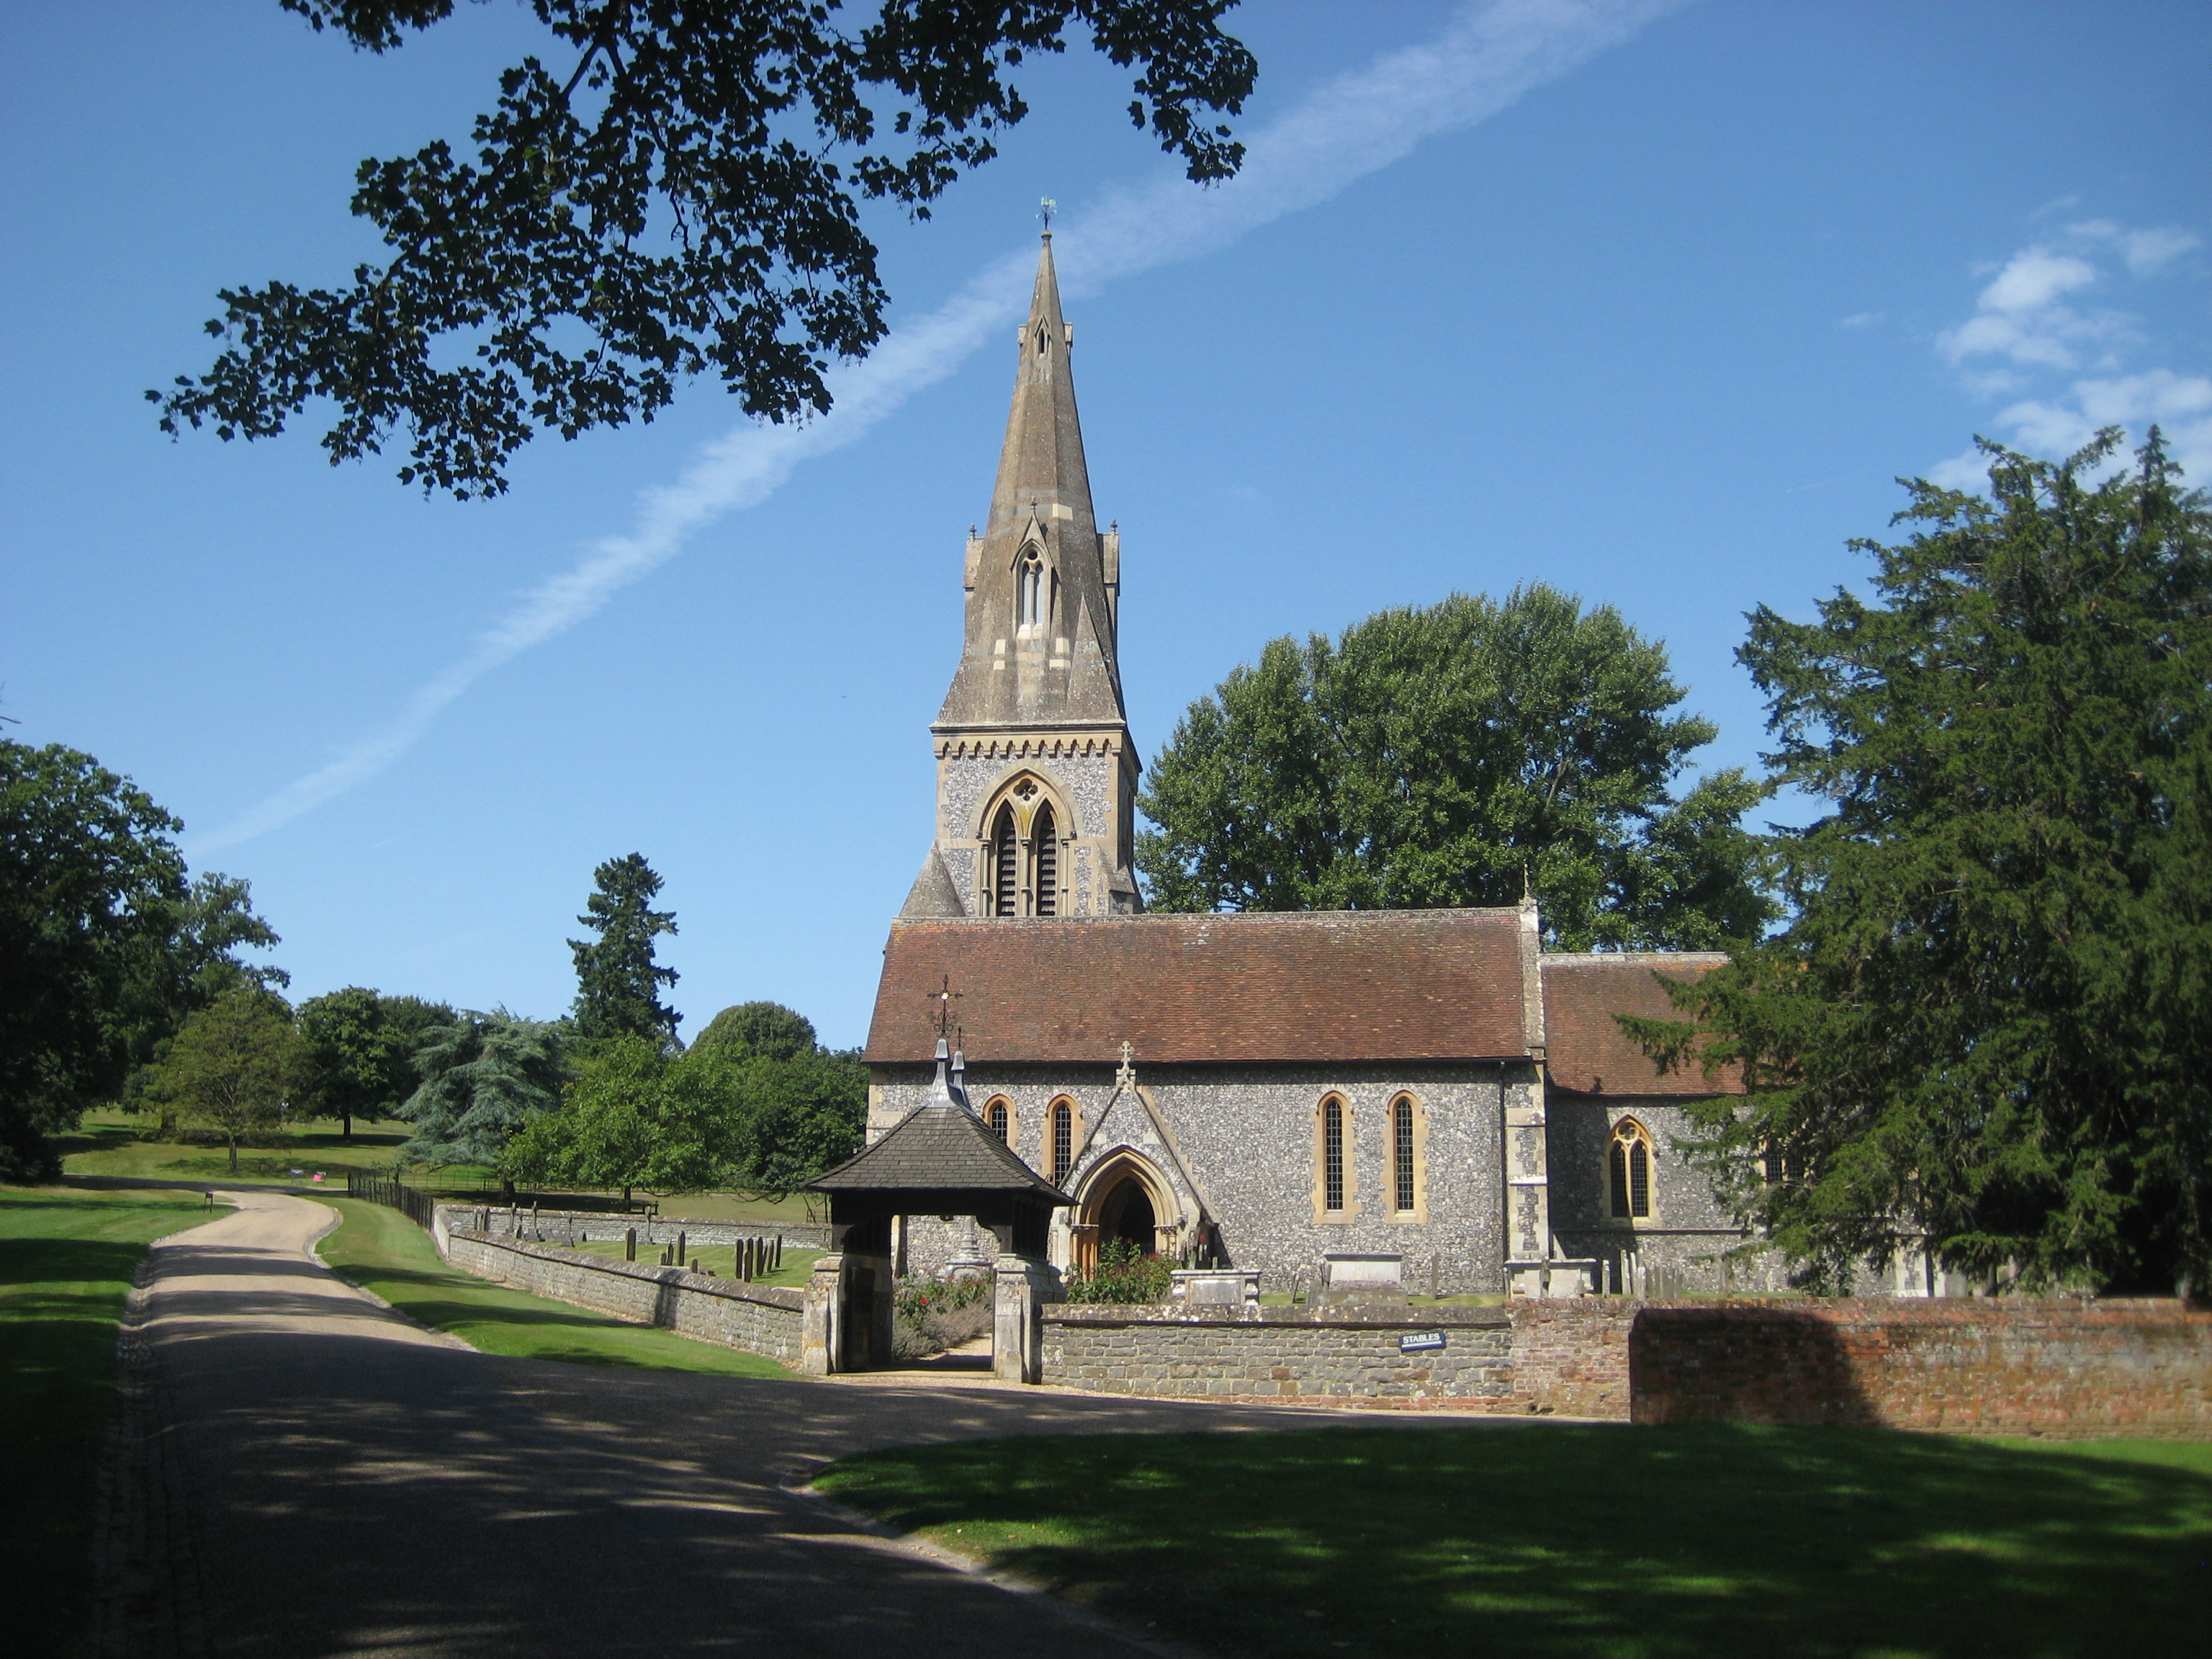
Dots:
pixel 1046 834
pixel 1029 591
pixel 1006 865
pixel 1628 1171
pixel 1333 1161
pixel 1001 1120
pixel 1405 1164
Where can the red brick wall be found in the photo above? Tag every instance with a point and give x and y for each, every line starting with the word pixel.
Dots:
pixel 1999 1366
pixel 1571 1356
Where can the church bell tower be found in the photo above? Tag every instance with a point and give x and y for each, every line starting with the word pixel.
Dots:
pixel 1036 780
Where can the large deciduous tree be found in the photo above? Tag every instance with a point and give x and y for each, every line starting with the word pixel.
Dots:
pixel 633 1117
pixel 618 984
pixel 232 1068
pixel 759 1027
pixel 1985 1025
pixel 678 192
pixel 360 1050
pixel 107 946
pixel 1460 755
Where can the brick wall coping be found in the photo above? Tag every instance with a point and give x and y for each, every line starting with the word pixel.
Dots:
pixel 1343 1318
pixel 772 1296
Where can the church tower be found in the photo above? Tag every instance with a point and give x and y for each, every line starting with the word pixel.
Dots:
pixel 1036 781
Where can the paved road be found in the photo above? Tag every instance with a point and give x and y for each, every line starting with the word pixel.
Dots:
pixel 352 1485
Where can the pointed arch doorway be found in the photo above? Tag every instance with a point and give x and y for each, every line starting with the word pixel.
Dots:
pixel 1126 1197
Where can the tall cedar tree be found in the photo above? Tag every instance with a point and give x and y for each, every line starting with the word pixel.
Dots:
pixel 485 1079
pixel 679 193
pixel 1986 1020
pixel 106 946
pixel 618 985
pixel 1447 757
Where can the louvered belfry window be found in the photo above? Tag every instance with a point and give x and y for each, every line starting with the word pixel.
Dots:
pixel 1006 861
pixel 1046 834
pixel 1401 1129
pixel 1063 1140
pixel 1332 1155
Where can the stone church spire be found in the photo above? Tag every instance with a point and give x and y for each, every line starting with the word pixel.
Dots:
pixel 1042 583
pixel 1036 783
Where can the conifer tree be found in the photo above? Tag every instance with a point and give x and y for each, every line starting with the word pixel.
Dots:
pixel 1985 1025
pixel 618 984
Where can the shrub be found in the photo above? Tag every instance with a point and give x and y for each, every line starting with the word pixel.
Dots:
pixel 1124 1273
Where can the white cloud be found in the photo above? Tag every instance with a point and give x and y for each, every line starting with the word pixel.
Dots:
pixel 1862 318
pixel 2145 252
pixel 1487 58
pixel 2022 318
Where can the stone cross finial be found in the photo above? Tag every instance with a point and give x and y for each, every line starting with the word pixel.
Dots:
pixel 1127 1076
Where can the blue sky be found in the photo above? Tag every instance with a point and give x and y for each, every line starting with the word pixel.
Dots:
pixel 1648 302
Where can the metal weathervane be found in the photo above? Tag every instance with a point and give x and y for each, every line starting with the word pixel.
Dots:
pixel 1046 208
pixel 944 999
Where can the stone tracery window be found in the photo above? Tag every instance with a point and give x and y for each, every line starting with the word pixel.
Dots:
pixel 1628 1171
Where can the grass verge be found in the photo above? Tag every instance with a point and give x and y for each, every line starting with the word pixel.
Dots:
pixel 66 1259
pixel 107 1144
pixel 1627 1543
pixel 380 1250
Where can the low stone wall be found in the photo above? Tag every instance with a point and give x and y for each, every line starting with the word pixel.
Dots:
pixel 2001 1366
pixel 759 1318
pixel 1320 1355
pixel 570 1226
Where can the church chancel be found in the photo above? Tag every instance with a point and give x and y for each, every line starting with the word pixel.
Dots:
pixel 1267 1093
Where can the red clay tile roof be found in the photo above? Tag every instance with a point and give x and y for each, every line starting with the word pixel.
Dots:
pixel 1314 986
pixel 1586 1049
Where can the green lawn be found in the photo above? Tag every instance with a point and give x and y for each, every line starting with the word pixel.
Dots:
pixel 1585 1542
pixel 65 1264
pixel 720 1258
pixel 380 1250
pixel 108 1143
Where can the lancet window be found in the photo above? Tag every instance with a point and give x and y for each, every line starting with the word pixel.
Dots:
pixel 1001 1120
pixel 1332 1155
pixel 1063 1140
pixel 1046 834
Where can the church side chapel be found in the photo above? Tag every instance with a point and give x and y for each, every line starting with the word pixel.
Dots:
pixel 1279 1093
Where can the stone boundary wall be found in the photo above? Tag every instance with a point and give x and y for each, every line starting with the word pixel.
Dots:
pixel 762 1319
pixel 562 1227
pixel 1324 1356
pixel 2001 1365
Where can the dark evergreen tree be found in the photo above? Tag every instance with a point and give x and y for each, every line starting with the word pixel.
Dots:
pixel 618 984
pixel 485 1078
pixel 1986 1022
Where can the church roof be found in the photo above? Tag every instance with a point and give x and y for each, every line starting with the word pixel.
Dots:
pixel 1314 986
pixel 1588 1053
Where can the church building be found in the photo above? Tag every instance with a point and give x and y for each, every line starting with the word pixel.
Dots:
pixel 1268 1091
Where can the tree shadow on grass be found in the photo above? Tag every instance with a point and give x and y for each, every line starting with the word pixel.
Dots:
pixel 1669 1542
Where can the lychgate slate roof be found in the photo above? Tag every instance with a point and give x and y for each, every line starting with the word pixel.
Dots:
pixel 938 1147
pixel 1312 986
pixel 1587 1051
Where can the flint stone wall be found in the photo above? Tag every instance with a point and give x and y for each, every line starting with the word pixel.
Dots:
pixel 763 1319
pixel 1246 1133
